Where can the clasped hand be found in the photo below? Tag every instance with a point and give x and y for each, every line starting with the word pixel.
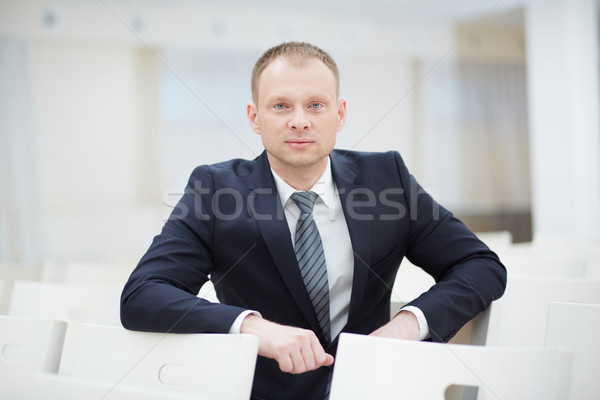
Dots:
pixel 298 350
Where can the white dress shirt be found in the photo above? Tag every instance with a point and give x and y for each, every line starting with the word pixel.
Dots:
pixel 339 258
pixel 337 246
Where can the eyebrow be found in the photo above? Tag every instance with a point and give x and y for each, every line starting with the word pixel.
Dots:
pixel 280 98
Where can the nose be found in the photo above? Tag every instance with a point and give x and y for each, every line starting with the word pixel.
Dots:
pixel 299 121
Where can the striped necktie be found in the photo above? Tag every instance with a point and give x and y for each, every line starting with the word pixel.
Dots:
pixel 311 259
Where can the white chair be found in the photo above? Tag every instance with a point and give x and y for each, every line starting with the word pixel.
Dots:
pixel 85 273
pixel 577 328
pixel 2 301
pixel 31 344
pixel 10 273
pixel 80 303
pixel 519 317
pixel 208 292
pixel 20 384
pixel 213 365
pixel 592 268
pixel 496 240
pixel 475 331
pixel 72 303
pixel 545 265
pixel 379 368
pixel 562 256
pixel 410 282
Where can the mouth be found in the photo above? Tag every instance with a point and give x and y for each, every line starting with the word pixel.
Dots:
pixel 299 143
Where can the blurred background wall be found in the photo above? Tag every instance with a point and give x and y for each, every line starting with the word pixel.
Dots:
pixel 106 106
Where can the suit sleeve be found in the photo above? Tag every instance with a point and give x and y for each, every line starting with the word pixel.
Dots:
pixel 468 275
pixel 160 295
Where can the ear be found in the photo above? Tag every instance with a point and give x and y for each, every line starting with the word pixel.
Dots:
pixel 252 112
pixel 341 114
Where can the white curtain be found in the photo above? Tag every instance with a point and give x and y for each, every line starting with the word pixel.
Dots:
pixel 474 148
pixel 21 204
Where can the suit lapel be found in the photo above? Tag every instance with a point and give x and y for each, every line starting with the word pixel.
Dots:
pixel 267 210
pixel 350 187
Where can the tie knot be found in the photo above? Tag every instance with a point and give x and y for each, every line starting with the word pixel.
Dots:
pixel 305 201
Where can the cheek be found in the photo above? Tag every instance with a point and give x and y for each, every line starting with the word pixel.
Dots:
pixel 270 124
pixel 332 130
pixel 332 139
pixel 269 134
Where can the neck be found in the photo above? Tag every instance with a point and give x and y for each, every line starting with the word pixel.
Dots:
pixel 300 178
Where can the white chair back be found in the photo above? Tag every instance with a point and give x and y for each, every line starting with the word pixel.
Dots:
pixel 554 256
pixel 2 301
pixel 577 328
pixel 10 273
pixel 545 265
pixel 380 368
pixel 216 366
pixel 31 344
pixel 410 282
pixel 18 384
pixel 208 292
pixel 519 318
pixel 73 303
pixel 86 273
pixel 77 303
pixel 496 240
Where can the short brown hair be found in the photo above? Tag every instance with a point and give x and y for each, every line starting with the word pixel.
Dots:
pixel 296 52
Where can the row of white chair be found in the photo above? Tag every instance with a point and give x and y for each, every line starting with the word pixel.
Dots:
pixel 518 318
pixel 115 363
pixel 207 366
pixel 75 304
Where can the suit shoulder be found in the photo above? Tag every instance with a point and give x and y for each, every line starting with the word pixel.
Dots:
pixel 364 157
pixel 231 169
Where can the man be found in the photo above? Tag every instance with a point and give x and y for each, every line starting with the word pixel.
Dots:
pixel 247 225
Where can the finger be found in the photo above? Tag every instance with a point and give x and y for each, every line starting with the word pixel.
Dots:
pixel 298 362
pixel 310 362
pixel 319 354
pixel 285 363
pixel 328 360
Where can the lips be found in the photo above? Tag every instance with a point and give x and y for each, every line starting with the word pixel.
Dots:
pixel 299 140
pixel 299 143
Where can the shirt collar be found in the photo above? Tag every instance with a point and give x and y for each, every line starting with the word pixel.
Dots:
pixel 324 187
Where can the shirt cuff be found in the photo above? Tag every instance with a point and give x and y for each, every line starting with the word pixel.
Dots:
pixel 237 324
pixel 423 325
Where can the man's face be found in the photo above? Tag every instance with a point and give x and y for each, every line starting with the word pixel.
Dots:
pixel 297 115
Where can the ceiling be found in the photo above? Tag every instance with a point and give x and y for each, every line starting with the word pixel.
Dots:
pixel 379 11
pixel 392 11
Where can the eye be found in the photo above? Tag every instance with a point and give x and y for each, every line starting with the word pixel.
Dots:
pixel 316 106
pixel 279 106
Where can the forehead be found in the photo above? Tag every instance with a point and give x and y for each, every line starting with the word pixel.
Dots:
pixel 285 73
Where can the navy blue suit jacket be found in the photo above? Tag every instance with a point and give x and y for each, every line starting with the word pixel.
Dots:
pixel 229 226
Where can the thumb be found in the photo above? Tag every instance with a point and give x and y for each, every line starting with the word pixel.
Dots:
pixel 328 360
